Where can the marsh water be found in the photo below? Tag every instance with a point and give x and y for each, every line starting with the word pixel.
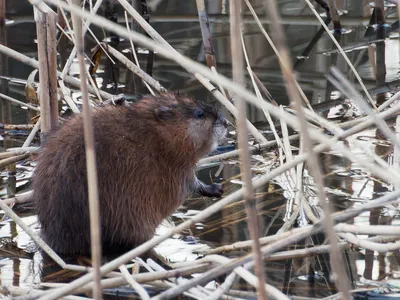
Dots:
pixel 177 21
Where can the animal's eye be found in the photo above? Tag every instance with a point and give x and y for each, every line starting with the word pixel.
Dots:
pixel 199 113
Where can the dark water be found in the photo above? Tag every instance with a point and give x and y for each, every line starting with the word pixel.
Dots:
pixel 21 266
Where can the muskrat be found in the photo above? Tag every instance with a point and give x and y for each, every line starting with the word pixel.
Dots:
pixel 146 156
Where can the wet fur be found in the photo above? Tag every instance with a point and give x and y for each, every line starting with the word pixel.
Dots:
pixel 145 163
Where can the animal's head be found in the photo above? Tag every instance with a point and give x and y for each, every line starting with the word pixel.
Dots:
pixel 186 123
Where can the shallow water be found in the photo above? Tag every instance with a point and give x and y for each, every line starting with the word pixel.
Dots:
pixel 349 184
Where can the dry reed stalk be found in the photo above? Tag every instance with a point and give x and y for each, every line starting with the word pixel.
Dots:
pixel 8 154
pixel 72 39
pixel 197 292
pixel 296 181
pixel 93 196
pixel 35 64
pixel 224 287
pixel 134 284
pixel 8 211
pixel 298 253
pixel 264 89
pixel 140 278
pixel 276 51
pixel 28 293
pixel 16 127
pixel 388 102
pixel 18 199
pixel 221 89
pixel 8 161
pixel 72 55
pixel 336 259
pixel 332 127
pixel 335 15
pixel 21 150
pixel 2 12
pixel 396 154
pixel 398 12
pixel 8 98
pixel 51 50
pixel 381 248
pixel 234 153
pixel 44 75
pixel 99 100
pixel 32 134
pixel 257 92
pixel 345 87
pixel 369 229
pixel 67 97
pixel 135 54
pixel 371 101
pixel 245 162
pixel 241 271
pixel 205 33
pixel 135 69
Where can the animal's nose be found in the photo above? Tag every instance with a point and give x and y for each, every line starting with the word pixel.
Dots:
pixel 223 121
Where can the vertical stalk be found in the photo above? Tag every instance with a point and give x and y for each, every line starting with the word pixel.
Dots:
pixel 335 16
pixel 337 264
pixel 205 33
pixel 251 209
pixel 2 12
pixel 44 97
pixel 51 21
pixel 380 49
pixel 95 238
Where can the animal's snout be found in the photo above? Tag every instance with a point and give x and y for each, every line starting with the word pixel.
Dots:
pixel 222 120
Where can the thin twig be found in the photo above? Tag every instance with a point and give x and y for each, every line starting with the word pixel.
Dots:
pixel 313 162
pixel 94 211
pixel 205 33
pixel 345 86
pixel 68 64
pixel 382 248
pixel 8 211
pixel 135 69
pixel 139 289
pixel 8 161
pixel 245 166
pixel 19 102
pixel 276 51
pixel 35 64
pixel 32 134
pixel 135 54
pixel 241 271
pixel 371 101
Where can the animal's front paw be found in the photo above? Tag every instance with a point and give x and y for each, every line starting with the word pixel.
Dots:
pixel 212 190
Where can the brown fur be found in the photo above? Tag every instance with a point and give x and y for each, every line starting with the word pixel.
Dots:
pixel 146 157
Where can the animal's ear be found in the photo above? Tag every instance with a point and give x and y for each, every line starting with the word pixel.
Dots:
pixel 164 112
